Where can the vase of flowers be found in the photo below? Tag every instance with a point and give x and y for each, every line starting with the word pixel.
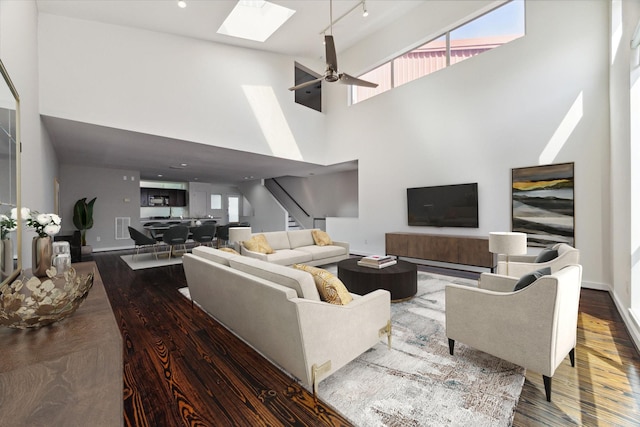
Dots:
pixel 46 225
pixel 8 223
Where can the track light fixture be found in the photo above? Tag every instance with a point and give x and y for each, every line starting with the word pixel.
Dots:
pixel 182 4
pixel 365 12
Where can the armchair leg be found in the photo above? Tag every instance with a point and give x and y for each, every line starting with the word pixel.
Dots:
pixel 451 344
pixel 572 357
pixel 547 387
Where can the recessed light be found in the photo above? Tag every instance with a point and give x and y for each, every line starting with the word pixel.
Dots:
pixel 182 4
pixel 159 175
pixel 184 165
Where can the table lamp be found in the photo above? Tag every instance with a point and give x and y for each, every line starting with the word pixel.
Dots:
pixel 237 235
pixel 508 243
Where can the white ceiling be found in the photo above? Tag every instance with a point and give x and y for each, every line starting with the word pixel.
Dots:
pixel 300 36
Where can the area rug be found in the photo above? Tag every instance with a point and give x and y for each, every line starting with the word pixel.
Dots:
pixel 148 260
pixel 417 382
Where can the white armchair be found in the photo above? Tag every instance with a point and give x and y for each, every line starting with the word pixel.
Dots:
pixel 519 265
pixel 534 327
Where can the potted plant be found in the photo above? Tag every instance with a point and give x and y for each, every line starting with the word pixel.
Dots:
pixel 83 220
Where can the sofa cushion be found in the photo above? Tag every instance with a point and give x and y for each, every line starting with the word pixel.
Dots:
pixel 289 257
pixel 528 279
pixel 322 252
pixel 298 238
pixel 321 238
pixel 277 240
pixel 258 243
pixel 302 282
pixel 330 288
pixel 214 255
pixel 546 255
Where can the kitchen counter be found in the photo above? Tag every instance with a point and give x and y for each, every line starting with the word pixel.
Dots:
pixel 165 220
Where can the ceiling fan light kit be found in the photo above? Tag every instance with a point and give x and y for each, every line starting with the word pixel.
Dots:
pixel 331 73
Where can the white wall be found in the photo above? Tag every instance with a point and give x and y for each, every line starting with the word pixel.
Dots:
pixel 116 197
pixel 19 53
pixel 268 214
pixel 175 87
pixel 322 196
pixel 478 119
pixel 623 250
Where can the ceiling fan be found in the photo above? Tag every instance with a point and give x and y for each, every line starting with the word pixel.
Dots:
pixel 331 73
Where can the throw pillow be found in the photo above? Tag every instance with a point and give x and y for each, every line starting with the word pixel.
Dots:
pixel 330 288
pixel 528 279
pixel 321 238
pixel 546 255
pixel 258 243
pixel 230 250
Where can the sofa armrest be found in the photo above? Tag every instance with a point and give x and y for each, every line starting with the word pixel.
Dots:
pixel 340 333
pixel 342 244
pixel 497 282
pixel 517 258
pixel 246 252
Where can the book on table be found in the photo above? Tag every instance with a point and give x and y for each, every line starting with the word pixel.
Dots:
pixel 378 266
pixel 377 261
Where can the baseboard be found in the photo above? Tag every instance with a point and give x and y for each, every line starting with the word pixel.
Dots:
pixel 596 286
pixel 117 248
pixel 630 320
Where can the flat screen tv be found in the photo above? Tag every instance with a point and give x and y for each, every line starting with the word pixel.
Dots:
pixel 443 206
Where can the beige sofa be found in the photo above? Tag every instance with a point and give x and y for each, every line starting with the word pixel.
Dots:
pixel 277 310
pixel 298 247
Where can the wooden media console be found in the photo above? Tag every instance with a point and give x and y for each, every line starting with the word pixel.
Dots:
pixel 463 250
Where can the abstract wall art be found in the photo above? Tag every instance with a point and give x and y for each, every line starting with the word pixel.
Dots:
pixel 543 204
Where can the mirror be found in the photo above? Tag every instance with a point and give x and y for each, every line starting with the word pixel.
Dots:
pixel 10 244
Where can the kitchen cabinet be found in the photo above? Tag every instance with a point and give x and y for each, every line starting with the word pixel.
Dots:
pixel 169 197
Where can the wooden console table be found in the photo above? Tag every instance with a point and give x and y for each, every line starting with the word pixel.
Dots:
pixel 68 373
pixel 463 250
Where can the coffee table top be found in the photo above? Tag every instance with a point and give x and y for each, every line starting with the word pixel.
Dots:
pixel 351 264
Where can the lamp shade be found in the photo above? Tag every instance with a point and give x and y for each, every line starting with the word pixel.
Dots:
pixel 508 243
pixel 239 234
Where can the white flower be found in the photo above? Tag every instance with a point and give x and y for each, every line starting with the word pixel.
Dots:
pixel 45 224
pixel 25 213
pixel 43 219
pixel 51 229
pixel 56 219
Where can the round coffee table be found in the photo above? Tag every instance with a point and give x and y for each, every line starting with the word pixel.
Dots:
pixel 400 279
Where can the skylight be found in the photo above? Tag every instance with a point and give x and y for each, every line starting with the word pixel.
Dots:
pixel 255 20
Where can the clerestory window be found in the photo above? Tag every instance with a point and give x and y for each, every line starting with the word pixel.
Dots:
pixel 488 31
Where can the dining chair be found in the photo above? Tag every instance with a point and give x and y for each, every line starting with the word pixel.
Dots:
pixel 204 234
pixel 141 240
pixel 176 235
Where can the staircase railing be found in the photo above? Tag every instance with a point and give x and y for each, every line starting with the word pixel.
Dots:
pixel 290 197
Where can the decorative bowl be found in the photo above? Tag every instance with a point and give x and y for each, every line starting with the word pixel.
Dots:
pixel 31 302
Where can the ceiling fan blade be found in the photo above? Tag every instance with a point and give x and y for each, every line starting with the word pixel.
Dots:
pixel 350 80
pixel 330 53
pixel 305 84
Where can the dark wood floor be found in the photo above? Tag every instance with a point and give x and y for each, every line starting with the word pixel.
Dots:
pixel 182 368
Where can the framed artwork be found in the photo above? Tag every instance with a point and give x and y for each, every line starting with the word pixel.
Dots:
pixel 542 204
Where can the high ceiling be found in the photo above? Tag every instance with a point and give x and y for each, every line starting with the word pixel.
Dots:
pixel 300 36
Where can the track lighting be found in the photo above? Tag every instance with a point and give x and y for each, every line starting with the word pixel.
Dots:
pixel 365 12
pixel 182 4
